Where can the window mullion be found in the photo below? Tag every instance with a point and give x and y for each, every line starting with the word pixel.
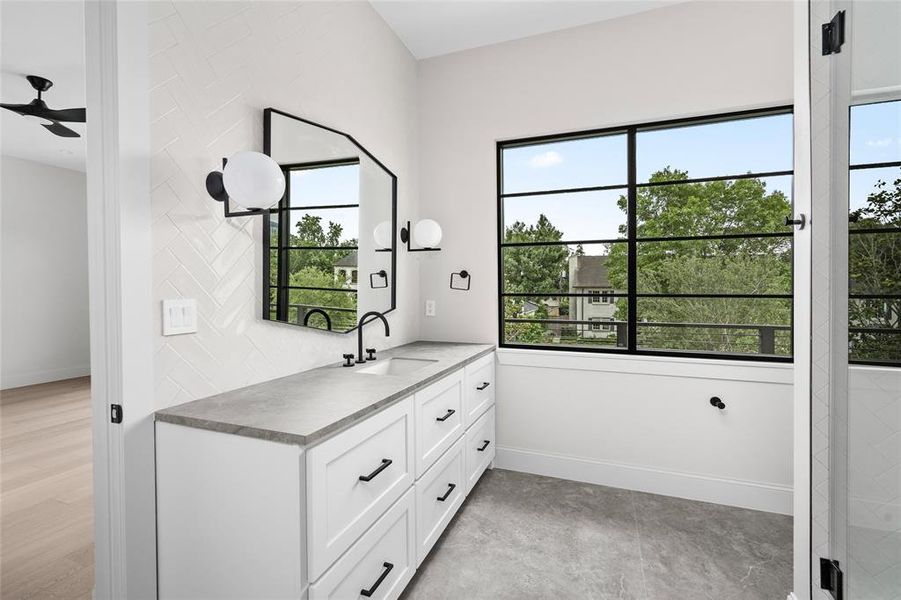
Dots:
pixel 631 235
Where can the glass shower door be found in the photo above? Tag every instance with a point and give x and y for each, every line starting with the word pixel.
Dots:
pixel 856 341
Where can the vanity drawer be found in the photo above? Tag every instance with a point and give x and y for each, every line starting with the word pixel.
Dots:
pixel 479 388
pixel 439 494
pixel 350 481
pixel 382 562
pixel 439 419
pixel 480 448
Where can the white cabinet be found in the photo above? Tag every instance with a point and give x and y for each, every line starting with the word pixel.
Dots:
pixel 480 448
pixel 241 517
pixel 353 478
pixel 439 419
pixel 479 392
pixel 438 496
pixel 380 565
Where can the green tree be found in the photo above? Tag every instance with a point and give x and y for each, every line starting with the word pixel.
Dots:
pixel 724 266
pixel 533 269
pixel 874 267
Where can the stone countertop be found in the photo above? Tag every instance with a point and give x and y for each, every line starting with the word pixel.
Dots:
pixel 307 407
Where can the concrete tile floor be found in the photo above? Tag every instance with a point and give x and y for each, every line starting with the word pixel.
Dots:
pixel 526 536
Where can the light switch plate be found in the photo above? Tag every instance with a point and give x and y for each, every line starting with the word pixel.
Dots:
pixel 179 316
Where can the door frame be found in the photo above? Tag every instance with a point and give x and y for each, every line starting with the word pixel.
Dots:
pixel 120 285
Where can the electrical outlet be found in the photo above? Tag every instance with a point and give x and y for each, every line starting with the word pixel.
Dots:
pixel 430 308
pixel 179 316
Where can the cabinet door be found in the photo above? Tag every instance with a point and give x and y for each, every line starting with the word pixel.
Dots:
pixel 380 565
pixel 353 478
pixel 439 419
pixel 229 516
pixel 479 393
pixel 439 494
pixel 480 448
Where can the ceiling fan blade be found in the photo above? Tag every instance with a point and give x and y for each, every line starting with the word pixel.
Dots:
pixel 22 109
pixel 72 115
pixel 60 130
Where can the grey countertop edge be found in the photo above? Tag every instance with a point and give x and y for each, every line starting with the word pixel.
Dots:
pixel 272 435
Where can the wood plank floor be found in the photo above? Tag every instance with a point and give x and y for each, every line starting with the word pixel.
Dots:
pixel 46 495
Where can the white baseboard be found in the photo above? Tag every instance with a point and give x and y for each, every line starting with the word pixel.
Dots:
pixel 34 377
pixel 744 494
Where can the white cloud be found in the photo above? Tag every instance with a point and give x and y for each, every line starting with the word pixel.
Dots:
pixel 546 159
pixel 880 143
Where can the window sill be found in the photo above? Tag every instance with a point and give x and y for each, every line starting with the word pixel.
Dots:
pixel 654 366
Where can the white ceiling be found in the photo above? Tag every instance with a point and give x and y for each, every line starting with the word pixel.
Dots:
pixel 434 27
pixel 43 38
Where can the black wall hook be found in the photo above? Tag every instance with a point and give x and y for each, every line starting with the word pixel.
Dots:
pixel 715 401
pixel 464 275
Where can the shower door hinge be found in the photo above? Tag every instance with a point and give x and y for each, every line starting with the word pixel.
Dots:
pixel 834 34
pixel 831 577
pixel 115 413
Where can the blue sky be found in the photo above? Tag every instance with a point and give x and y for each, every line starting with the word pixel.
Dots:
pixel 321 187
pixel 759 145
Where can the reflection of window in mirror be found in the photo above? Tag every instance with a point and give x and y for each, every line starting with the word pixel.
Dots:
pixel 317 242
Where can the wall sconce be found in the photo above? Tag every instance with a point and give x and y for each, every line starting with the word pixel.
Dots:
pixel 427 234
pixel 382 235
pixel 383 275
pixel 250 181
pixel 457 277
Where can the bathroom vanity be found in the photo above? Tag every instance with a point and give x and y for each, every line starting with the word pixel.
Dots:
pixel 331 483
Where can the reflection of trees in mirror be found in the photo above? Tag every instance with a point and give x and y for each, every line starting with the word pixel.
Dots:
pixel 332 269
pixel 744 265
pixel 874 272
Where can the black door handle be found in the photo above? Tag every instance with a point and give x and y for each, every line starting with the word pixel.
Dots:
pixel 386 462
pixel 450 411
pixel 483 386
pixel 387 566
pixel 450 488
pixel 800 221
pixel 485 445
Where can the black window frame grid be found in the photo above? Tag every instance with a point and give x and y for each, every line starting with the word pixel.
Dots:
pixel 283 305
pixel 852 231
pixel 631 188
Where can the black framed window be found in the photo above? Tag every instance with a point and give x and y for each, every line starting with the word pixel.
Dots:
pixel 312 239
pixel 874 244
pixel 671 234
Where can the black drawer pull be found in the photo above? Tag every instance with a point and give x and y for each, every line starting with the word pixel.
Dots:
pixel 485 445
pixel 386 462
pixel 450 411
pixel 483 386
pixel 450 488
pixel 387 566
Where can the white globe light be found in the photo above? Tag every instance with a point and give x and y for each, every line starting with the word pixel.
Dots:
pixel 427 233
pixel 382 234
pixel 253 180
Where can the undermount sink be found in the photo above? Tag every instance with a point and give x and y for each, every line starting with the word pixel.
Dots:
pixel 395 366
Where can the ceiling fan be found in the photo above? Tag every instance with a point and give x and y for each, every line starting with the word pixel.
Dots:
pixel 38 110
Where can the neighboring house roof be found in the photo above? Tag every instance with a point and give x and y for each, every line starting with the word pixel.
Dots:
pixel 588 272
pixel 349 260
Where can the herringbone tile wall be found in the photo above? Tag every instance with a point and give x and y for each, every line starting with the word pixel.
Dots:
pixel 214 67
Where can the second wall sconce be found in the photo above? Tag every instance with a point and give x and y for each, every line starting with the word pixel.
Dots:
pixel 426 233
pixel 250 181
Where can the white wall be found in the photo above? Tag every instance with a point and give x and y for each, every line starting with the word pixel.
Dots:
pixel 215 66
pixel 638 429
pixel 44 303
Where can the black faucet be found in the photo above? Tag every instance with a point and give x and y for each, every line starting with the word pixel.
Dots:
pixel 372 313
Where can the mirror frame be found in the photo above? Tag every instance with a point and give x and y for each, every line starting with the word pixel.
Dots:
pixel 267 149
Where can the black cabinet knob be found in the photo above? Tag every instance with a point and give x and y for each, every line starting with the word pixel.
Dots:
pixel 348 360
pixel 715 401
